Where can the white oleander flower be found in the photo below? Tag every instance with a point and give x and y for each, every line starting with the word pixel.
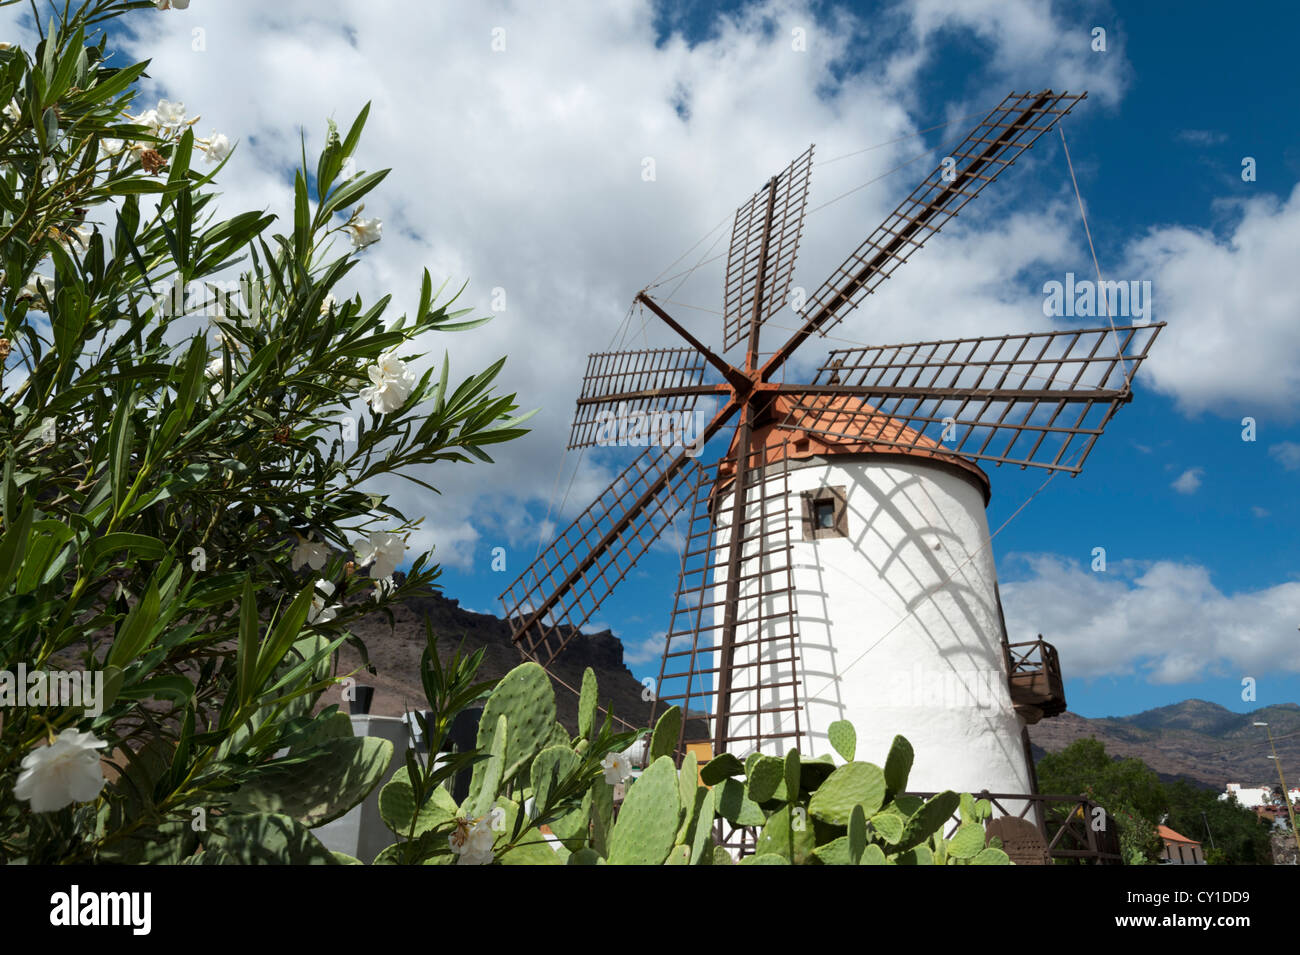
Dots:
pixel 472 841
pixel 383 550
pixel 112 147
pixel 62 773
pixel 311 553
pixel 215 148
pixel 170 4
pixel 329 303
pixel 216 369
pixel 321 611
pixel 617 767
pixel 383 587
pixel 13 111
pixel 148 118
pixel 365 232
pixel 391 384
pixel 171 114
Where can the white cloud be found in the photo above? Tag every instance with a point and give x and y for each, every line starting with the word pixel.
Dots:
pixel 1233 343
pixel 1287 453
pixel 1189 481
pixel 1028 42
pixel 645 651
pixel 1163 621
pixel 1259 511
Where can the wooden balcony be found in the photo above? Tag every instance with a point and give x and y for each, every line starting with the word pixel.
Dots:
pixel 1034 674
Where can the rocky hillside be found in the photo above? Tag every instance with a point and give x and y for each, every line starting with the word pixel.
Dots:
pixel 395 649
pixel 1202 742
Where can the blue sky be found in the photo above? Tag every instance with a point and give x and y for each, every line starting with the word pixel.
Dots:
pixel 517 149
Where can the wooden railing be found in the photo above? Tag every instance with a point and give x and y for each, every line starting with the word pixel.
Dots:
pixel 1074 828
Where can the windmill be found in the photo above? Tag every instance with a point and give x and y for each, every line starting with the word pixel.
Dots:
pixel 840 543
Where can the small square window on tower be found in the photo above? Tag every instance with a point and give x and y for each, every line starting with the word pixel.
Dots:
pixel 825 513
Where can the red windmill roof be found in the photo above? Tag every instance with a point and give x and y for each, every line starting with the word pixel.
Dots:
pixel 792 427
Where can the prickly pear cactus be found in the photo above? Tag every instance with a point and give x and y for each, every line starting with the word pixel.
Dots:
pixel 525 697
pixel 853 784
pixel 898 765
pixel 647 821
pixel 587 701
pixel 667 731
pixel 320 785
pixel 810 811
pixel 844 738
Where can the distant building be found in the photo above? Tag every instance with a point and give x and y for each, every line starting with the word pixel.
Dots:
pixel 1179 850
pixel 1251 797
pixel 1265 800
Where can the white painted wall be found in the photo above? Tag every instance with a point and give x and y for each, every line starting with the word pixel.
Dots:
pixel 898 624
pixel 360 832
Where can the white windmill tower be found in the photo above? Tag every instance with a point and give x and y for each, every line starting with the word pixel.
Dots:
pixel 877 554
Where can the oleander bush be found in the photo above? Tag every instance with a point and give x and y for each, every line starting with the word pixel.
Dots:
pixel 193 412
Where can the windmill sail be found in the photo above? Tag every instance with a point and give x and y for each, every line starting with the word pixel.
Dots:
pixel 761 702
pixel 764 244
pixel 1035 400
pixel 646 387
pixel 997 142
pixel 550 601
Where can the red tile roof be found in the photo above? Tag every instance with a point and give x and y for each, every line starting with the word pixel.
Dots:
pixel 1169 835
pixel 794 426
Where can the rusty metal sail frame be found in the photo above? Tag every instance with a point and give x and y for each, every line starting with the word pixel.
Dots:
pixel 734 631
pixel 967 393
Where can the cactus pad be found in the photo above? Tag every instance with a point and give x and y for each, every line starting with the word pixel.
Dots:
pixel 587 700
pixel 525 696
pixel 647 823
pixel 853 784
pixel 844 738
pixel 898 765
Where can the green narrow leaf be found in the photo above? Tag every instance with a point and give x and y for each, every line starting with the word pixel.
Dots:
pixel 354 132
pixel 246 654
pixel 350 193
pixel 301 217
pixel 140 545
pixel 14 543
pixel 283 635
pixel 120 434
pixel 137 630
